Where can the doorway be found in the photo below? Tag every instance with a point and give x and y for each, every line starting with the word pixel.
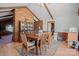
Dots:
pixel 51 26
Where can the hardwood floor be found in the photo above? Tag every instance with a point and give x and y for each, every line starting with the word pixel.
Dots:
pixel 63 50
pixel 9 50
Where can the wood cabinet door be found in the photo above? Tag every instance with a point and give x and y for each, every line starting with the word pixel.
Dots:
pixel 72 36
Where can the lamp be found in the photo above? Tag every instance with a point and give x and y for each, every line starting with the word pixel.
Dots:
pixel 40 31
pixel 9 27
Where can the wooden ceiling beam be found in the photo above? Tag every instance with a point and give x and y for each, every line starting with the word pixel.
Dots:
pixel 6 15
pixel 48 11
pixel 33 14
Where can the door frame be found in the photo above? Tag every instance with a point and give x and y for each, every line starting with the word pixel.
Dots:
pixel 50 22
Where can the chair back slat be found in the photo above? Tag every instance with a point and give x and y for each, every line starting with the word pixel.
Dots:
pixel 47 37
pixel 23 38
pixel 43 39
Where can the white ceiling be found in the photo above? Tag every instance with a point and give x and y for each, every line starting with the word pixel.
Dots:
pixel 38 10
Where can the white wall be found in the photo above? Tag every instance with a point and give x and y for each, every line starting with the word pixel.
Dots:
pixel 65 15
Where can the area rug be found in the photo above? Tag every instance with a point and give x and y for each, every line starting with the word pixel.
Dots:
pixel 49 52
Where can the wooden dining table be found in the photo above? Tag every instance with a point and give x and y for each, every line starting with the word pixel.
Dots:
pixel 34 37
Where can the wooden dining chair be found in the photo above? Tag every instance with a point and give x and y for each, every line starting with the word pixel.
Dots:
pixel 46 40
pixel 27 44
pixel 43 42
pixel 49 38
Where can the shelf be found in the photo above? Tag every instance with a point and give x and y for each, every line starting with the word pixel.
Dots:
pixel 27 26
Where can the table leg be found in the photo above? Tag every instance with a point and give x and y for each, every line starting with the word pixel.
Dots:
pixel 37 47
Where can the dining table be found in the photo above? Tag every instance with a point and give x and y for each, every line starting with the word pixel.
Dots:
pixel 34 37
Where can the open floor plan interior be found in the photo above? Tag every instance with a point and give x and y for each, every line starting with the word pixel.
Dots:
pixel 39 29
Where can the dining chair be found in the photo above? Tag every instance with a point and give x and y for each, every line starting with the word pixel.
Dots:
pixel 49 38
pixel 27 44
pixel 43 42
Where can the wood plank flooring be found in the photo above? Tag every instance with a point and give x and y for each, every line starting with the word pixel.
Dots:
pixel 63 50
pixel 9 50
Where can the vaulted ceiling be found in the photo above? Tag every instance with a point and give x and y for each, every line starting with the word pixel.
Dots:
pixel 37 9
pixel 42 12
pixel 64 14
